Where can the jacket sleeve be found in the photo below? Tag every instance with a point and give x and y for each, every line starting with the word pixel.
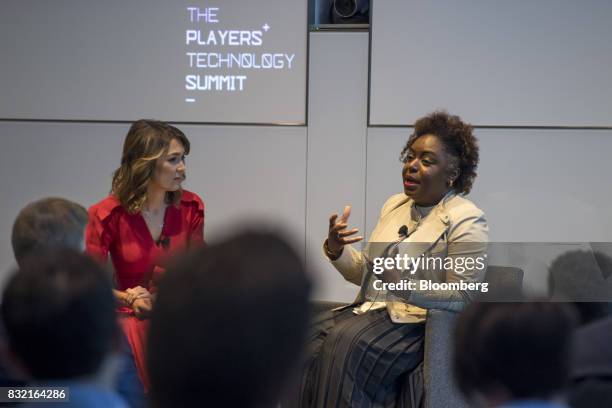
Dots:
pixel 349 264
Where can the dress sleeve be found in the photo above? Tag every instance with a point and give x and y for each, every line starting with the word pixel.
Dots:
pixel 98 235
pixel 196 225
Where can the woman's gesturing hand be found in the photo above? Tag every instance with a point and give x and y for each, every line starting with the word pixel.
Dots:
pixel 338 235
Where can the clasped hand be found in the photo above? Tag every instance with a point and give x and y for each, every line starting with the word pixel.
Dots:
pixel 140 300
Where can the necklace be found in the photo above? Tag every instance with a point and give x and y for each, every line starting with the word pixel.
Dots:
pixel 420 213
pixel 149 217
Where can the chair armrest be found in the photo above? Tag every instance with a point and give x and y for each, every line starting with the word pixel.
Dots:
pixel 440 388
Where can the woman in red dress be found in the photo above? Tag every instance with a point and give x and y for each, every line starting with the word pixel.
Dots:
pixel 147 218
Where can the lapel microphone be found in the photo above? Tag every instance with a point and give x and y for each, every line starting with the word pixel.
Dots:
pixel 163 241
pixel 403 234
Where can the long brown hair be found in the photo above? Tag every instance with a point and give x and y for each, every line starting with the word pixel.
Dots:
pixel 145 143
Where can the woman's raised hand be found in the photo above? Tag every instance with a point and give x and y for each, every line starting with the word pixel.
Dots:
pixel 338 235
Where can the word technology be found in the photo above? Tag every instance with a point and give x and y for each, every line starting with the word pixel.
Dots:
pixel 240 60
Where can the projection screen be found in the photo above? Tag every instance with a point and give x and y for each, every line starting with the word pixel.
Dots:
pixel 227 61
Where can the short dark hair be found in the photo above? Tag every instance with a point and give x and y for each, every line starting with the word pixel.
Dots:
pixel 583 277
pixel 458 140
pixel 522 347
pixel 229 324
pixel 58 310
pixel 48 223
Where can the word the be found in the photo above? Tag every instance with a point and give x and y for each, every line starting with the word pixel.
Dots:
pixel 207 15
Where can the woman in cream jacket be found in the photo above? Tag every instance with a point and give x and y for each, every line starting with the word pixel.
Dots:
pixel 357 353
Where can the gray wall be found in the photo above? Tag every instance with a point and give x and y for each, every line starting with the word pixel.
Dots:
pixel 534 184
pixel 336 145
pixel 513 63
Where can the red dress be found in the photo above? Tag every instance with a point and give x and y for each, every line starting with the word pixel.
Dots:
pixel 137 258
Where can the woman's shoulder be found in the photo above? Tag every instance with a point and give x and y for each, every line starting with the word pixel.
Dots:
pixel 459 207
pixel 191 198
pixel 396 200
pixel 104 208
pixel 467 222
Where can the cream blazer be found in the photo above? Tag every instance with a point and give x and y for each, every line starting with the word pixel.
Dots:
pixel 444 232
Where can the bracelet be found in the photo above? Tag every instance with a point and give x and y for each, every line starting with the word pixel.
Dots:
pixel 331 255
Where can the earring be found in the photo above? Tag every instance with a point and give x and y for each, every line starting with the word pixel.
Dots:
pixel 450 183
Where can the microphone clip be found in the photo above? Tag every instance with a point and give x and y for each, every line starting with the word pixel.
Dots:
pixel 163 241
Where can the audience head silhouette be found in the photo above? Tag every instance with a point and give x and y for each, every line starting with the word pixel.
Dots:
pixel 584 278
pixel 48 223
pixel 244 305
pixel 58 311
pixel 512 351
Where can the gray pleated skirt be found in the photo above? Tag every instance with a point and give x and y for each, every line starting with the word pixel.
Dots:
pixel 362 361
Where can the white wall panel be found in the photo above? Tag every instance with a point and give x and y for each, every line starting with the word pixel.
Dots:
pixel 336 146
pixel 497 62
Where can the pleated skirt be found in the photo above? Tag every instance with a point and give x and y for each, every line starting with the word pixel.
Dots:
pixel 362 361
